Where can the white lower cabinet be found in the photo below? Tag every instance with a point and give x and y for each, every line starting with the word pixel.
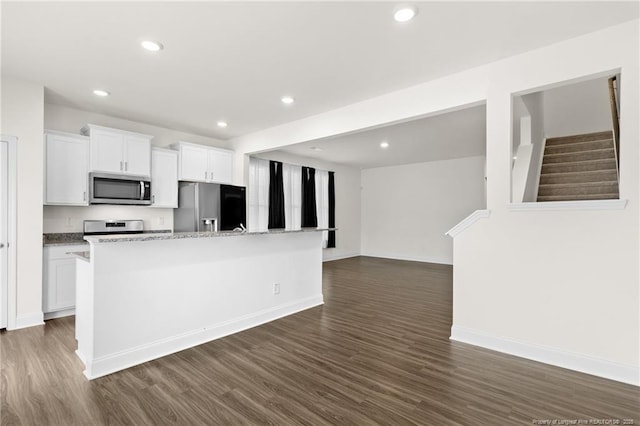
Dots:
pixel 59 280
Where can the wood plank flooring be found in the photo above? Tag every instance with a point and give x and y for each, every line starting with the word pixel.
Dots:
pixel 377 352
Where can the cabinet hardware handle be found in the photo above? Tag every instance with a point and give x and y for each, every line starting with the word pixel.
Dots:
pixel 1 245
pixel 153 199
pixel 205 175
pixel 126 166
pixel 120 165
pixel 84 196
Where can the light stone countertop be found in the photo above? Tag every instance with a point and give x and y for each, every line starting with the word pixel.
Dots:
pixel 63 239
pixel 98 239
pixel 77 238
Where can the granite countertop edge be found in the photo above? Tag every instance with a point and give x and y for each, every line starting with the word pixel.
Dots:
pixel 190 235
pixel 77 238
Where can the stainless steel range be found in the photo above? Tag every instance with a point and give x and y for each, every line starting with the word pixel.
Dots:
pixel 106 227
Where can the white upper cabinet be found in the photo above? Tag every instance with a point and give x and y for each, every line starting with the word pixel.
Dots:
pixel 107 151
pixel 118 151
pixel 220 165
pixel 164 178
pixel 137 155
pixel 201 163
pixel 66 167
pixel 193 163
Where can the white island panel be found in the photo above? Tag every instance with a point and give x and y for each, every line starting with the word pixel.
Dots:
pixel 149 298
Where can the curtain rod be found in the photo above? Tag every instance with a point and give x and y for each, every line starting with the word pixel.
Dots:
pixel 291 164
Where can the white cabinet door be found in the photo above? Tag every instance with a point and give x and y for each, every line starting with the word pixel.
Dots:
pixel 164 178
pixel 220 166
pixel 118 151
pixel 137 159
pixel 193 163
pixel 107 151
pixel 59 278
pixel 66 169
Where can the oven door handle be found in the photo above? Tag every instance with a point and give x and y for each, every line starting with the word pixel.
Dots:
pixel 142 191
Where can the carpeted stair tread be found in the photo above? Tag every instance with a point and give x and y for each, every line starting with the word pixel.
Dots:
pixel 579 146
pixel 579 138
pixel 570 157
pixel 579 177
pixel 579 166
pixel 578 197
pixel 578 188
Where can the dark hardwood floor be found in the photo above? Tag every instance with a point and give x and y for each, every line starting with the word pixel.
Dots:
pixel 377 352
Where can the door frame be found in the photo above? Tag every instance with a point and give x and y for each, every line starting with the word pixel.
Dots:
pixel 11 300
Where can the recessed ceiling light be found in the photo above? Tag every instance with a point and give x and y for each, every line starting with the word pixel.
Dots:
pixel 316 148
pixel 100 92
pixel 384 144
pixel 405 13
pixel 222 124
pixel 152 46
pixel 287 100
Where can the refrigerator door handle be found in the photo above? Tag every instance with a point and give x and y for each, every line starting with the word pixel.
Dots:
pixel 196 204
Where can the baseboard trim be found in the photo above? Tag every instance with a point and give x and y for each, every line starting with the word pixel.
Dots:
pixel 439 260
pixel 108 364
pixel 59 314
pixel 340 257
pixel 29 321
pixel 548 355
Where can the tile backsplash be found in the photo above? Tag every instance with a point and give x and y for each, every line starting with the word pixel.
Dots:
pixel 59 219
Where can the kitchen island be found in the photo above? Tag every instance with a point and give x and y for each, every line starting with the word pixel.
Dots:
pixel 140 297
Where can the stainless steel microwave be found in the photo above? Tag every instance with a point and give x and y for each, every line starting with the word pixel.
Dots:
pixel 107 188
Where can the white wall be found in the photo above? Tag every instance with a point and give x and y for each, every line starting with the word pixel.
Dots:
pixel 22 116
pixel 406 210
pixel 577 108
pixel 564 280
pixel 347 184
pixel 69 219
pixel 560 284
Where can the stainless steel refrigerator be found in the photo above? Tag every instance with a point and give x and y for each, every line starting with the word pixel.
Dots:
pixel 198 207
pixel 209 207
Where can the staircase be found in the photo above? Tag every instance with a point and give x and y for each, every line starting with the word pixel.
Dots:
pixel 580 167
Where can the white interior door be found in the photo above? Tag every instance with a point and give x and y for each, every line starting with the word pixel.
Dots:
pixel 4 230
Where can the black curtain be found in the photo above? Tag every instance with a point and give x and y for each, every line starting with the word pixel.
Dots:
pixel 276 195
pixel 309 215
pixel 332 210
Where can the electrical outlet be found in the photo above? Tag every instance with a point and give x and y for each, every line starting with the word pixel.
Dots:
pixel 161 220
pixel 276 288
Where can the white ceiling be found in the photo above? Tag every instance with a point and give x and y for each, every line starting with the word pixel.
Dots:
pixel 455 134
pixel 234 60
